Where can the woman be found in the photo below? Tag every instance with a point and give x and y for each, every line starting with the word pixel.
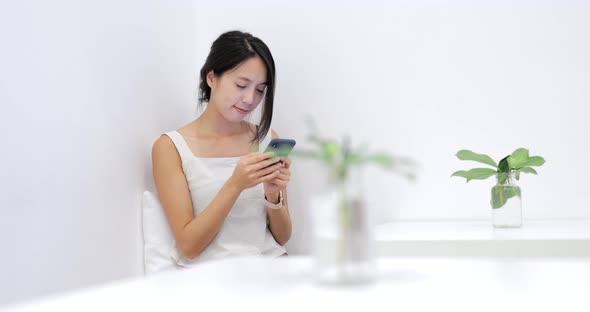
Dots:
pixel 221 196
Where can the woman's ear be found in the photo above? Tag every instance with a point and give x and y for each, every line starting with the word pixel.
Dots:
pixel 211 79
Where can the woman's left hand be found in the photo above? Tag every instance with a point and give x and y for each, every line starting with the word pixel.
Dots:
pixel 272 187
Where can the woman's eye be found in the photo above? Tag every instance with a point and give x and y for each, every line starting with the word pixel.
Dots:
pixel 241 87
pixel 260 91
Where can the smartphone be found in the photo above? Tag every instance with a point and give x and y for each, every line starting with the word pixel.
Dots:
pixel 281 147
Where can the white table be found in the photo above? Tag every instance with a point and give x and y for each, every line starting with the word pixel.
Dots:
pixel 403 284
pixel 557 238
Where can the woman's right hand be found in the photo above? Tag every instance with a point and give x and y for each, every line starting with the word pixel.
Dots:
pixel 254 169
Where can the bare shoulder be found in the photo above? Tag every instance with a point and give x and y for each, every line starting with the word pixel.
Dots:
pixel 164 150
pixel 162 144
pixel 273 134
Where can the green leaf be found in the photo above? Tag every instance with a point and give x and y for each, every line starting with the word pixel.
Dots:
pixel 469 155
pixel 382 159
pixel 518 157
pixel 329 151
pixel 354 158
pixel 503 166
pixel 533 161
pixel 527 170
pixel 475 174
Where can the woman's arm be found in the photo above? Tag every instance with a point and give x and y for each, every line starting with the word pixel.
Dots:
pixel 192 234
pixel 279 219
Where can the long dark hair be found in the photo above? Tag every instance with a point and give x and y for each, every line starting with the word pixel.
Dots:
pixel 228 51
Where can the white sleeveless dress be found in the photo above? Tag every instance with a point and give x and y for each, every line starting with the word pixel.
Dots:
pixel 245 231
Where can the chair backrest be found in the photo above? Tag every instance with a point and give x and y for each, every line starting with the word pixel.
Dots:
pixel 158 240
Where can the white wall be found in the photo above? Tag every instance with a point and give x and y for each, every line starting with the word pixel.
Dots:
pixel 425 79
pixel 85 88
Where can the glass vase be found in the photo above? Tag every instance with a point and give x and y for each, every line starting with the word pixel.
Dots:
pixel 343 242
pixel 506 201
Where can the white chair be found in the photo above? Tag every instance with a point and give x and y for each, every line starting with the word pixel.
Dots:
pixel 158 240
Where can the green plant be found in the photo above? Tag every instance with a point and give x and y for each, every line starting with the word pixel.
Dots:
pixel 516 163
pixel 338 157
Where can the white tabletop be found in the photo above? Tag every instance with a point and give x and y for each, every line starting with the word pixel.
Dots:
pixel 403 284
pixel 549 238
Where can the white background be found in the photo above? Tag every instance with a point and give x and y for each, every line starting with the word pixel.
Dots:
pixel 86 88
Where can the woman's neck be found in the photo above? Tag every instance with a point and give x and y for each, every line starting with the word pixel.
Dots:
pixel 212 124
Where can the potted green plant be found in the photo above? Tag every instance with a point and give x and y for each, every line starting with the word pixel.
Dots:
pixel 342 226
pixel 506 195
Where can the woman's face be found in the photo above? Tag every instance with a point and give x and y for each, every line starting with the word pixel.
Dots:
pixel 238 91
